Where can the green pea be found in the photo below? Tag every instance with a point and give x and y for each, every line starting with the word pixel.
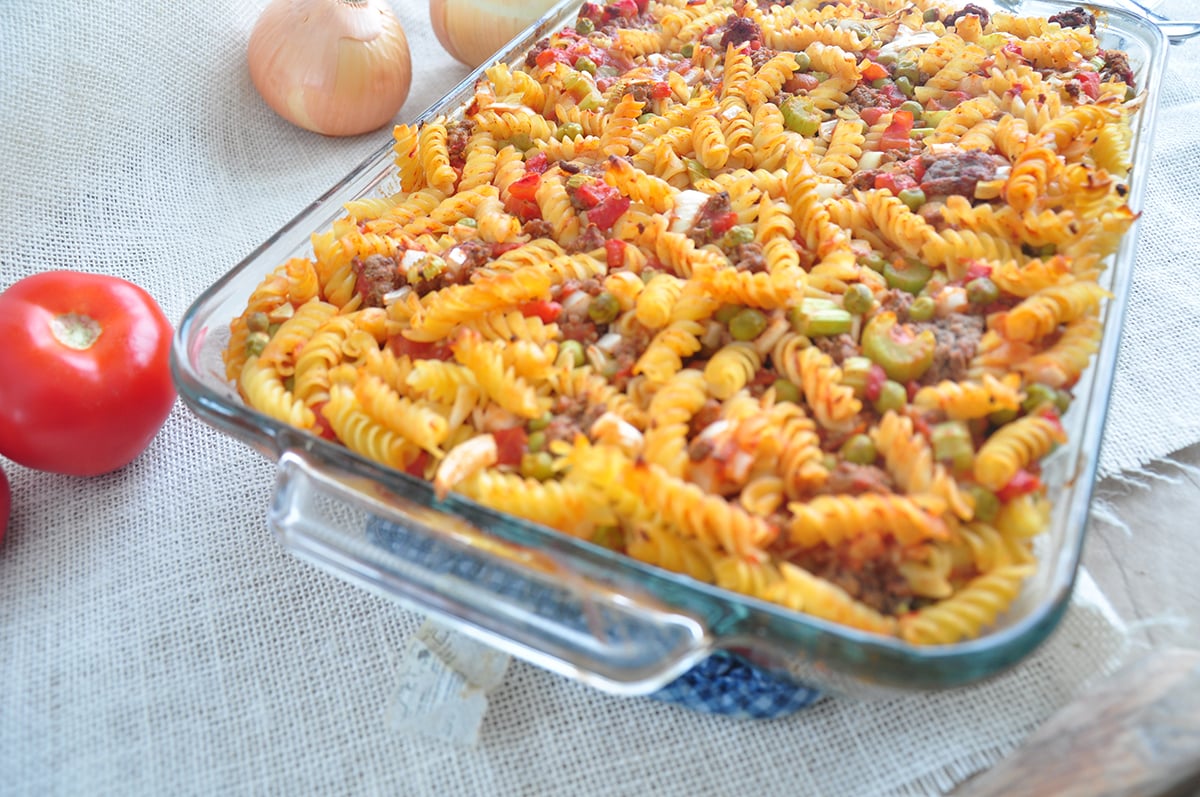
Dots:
pixel 568 130
pixel 584 26
pixel 913 107
pixel 571 351
pixel 648 274
pixel 604 308
pixel 1037 396
pixel 541 422
pixel 256 342
pixel 801 116
pixel 585 64
pixel 982 290
pixel 687 50
pixel 930 15
pixel 740 234
pixel 803 62
pixel 467 221
pixel 536 442
pixel 913 198
pixel 258 321
pixel 986 502
pixel 910 275
pixel 820 76
pixel 1130 93
pixel 908 70
pixel 886 58
pixel 829 461
pixel 892 396
pixel 858 299
pixel 521 141
pixel 726 312
pixel 747 324
pixel 880 82
pixel 786 391
pixel 1048 250
pixel 859 449
pixel 537 465
pixel 922 309
pixel 905 85
pixel 646 118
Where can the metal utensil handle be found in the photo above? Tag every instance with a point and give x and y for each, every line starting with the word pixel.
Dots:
pixel 522 601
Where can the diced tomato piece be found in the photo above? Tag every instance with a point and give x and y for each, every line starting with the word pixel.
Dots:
pixel 321 425
pixel 537 164
pixel 1090 82
pixel 873 71
pixel 523 209
pixel 876 377
pixel 419 349
pixel 499 249
pixel 626 8
pixel 547 311
pixel 660 90
pixel 614 253
pixel 724 223
pixel 510 445
pixel 593 192
pixel 605 214
pixel 550 56
pixel 1022 483
pixel 894 182
pixel 642 5
pixel 871 115
pixel 1050 413
pixel 977 270
pixel 418 465
pixel 526 187
pixel 895 136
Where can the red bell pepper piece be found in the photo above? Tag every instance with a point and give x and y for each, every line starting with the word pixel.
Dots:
pixel 1020 484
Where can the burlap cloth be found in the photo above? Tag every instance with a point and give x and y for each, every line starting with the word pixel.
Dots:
pixel 155 638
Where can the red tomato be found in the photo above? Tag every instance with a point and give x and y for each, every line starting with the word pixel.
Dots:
pixel 896 134
pixel 526 187
pixel 92 382
pixel 724 223
pixel 547 311
pixel 871 115
pixel 605 214
pixel 511 444
pixel 1090 82
pixel 5 503
pixel 894 181
pixel 614 253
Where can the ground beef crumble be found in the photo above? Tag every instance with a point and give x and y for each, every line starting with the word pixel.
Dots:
pixel 957 338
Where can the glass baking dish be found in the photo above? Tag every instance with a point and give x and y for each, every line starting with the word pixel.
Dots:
pixel 579 609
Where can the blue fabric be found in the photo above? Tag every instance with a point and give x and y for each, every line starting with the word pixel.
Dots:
pixel 726 684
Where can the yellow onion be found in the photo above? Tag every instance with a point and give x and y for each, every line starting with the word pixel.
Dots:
pixel 336 67
pixel 474 30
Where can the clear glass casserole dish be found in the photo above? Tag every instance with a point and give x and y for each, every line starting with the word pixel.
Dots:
pixel 577 608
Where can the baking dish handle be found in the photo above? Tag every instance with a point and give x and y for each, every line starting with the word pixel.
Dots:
pixel 521 600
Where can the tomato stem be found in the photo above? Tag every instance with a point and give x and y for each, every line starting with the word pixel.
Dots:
pixel 75 331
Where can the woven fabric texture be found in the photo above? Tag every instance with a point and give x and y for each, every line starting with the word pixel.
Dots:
pixel 154 637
